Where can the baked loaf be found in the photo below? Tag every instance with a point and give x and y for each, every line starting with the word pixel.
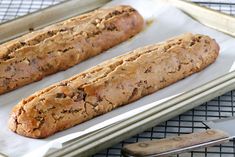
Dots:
pixel 111 84
pixel 60 46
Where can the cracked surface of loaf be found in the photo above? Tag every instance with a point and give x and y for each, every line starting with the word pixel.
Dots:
pixel 62 45
pixel 111 84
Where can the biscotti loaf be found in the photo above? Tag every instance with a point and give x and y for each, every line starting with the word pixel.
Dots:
pixel 60 46
pixel 111 84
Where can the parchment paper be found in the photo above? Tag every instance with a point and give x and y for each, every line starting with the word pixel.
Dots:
pixel 166 22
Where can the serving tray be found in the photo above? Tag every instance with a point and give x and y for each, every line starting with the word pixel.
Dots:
pixel 103 138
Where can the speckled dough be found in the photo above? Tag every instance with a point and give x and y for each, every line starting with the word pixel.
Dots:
pixel 111 84
pixel 60 46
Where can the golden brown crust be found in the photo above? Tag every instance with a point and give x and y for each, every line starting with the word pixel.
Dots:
pixel 111 84
pixel 60 46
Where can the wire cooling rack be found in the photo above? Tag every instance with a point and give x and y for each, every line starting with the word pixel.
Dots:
pixel 191 121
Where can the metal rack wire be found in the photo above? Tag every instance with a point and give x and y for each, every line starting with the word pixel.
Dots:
pixel 191 121
pixel 10 9
pixel 188 122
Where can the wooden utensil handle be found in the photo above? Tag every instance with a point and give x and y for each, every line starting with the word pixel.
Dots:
pixel 2 155
pixel 176 145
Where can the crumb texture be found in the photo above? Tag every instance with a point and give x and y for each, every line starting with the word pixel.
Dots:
pixel 65 44
pixel 111 84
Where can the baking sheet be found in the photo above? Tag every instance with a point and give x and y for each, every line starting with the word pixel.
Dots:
pixel 165 22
